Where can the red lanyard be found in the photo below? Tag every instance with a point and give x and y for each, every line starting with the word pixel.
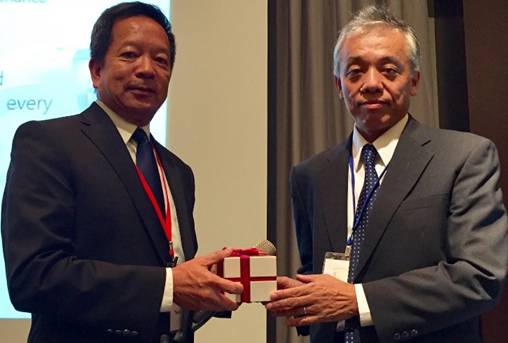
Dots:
pixel 165 222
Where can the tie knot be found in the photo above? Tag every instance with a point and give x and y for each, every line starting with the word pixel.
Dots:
pixel 369 154
pixel 140 135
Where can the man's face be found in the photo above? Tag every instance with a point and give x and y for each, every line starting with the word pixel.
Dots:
pixel 133 80
pixel 375 80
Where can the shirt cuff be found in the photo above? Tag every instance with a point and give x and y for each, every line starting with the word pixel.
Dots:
pixel 363 306
pixel 167 296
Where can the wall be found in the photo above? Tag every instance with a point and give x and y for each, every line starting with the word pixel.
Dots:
pixel 218 125
pixel 14 330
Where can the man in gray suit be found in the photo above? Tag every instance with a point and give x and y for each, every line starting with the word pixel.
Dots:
pixel 424 253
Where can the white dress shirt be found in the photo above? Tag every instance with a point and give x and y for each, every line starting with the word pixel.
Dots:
pixel 385 146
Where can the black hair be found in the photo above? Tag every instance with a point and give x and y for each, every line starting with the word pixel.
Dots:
pixel 101 37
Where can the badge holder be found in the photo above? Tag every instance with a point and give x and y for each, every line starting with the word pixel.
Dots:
pixel 336 264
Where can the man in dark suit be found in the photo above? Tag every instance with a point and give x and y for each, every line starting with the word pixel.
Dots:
pixel 88 248
pixel 425 250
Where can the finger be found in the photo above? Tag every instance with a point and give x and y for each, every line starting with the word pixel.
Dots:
pixel 219 302
pixel 215 257
pixel 290 312
pixel 226 285
pixel 293 292
pixel 290 303
pixel 228 304
pixel 285 312
pixel 301 321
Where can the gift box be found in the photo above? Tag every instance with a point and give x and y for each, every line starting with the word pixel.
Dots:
pixel 255 270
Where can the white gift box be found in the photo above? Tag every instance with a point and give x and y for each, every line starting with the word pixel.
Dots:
pixel 257 274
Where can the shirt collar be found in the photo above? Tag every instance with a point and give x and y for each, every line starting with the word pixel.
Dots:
pixel 125 128
pixel 385 144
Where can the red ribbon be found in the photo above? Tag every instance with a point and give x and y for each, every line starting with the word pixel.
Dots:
pixel 245 278
pixel 247 252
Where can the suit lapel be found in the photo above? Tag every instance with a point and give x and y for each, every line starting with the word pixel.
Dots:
pixel 409 161
pixel 332 183
pixel 102 132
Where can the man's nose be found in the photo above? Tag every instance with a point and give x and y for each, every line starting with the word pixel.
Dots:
pixel 146 67
pixel 372 81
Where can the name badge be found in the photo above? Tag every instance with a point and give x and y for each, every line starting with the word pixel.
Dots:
pixel 337 265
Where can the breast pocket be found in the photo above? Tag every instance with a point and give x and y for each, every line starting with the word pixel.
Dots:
pixel 438 201
pixel 419 228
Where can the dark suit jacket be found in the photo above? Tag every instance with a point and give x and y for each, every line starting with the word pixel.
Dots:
pixel 435 251
pixel 84 249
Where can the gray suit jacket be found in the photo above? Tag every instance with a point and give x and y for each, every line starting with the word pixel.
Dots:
pixel 435 253
pixel 84 250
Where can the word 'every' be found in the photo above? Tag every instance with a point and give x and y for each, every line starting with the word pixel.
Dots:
pixel 29 104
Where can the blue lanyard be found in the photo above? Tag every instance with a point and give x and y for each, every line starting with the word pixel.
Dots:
pixel 357 218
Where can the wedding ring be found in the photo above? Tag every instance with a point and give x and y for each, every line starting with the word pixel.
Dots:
pixel 304 311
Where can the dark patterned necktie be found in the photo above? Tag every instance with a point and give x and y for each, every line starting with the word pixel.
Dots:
pixel 369 154
pixel 145 160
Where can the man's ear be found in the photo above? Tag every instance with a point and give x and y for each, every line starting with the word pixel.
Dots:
pixel 338 86
pixel 415 80
pixel 95 71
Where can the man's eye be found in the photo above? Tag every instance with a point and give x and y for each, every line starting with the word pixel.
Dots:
pixel 353 73
pixel 390 71
pixel 128 54
pixel 162 60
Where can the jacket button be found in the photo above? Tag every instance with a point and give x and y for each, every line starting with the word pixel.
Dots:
pixel 164 339
pixel 405 335
pixel 396 336
pixel 109 330
pixel 118 332
pixel 134 333
pixel 126 332
pixel 414 333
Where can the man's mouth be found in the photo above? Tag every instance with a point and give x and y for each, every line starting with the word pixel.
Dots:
pixel 141 89
pixel 373 105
